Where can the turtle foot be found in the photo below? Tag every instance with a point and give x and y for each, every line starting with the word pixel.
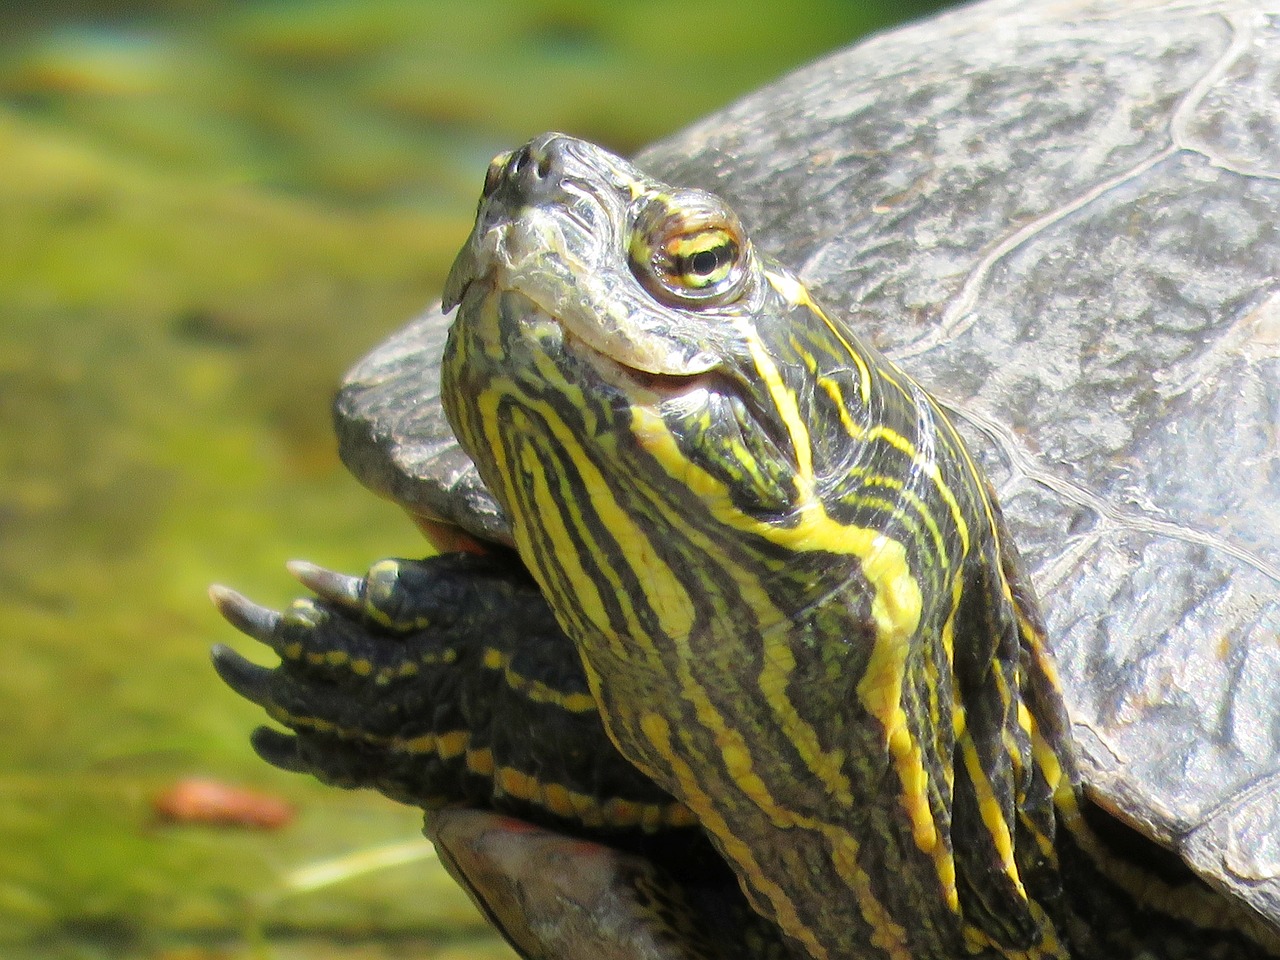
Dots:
pixel 246 678
pixel 338 588
pixel 242 613
pixel 281 750
pixel 437 682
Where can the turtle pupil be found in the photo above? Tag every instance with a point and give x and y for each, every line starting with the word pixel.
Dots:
pixel 704 262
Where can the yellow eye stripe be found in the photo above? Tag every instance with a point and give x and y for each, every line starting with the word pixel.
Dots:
pixel 884 689
pixel 794 292
pixel 785 576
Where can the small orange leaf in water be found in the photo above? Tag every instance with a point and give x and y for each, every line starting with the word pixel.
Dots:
pixel 210 802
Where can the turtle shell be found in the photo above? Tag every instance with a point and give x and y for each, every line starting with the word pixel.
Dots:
pixel 1061 217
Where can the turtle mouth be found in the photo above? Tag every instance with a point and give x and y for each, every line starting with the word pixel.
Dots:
pixel 635 381
pixel 451 299
pixel 594 364
pixel 686 405
pixel 545 260
pixel 596 358
pixel 680 394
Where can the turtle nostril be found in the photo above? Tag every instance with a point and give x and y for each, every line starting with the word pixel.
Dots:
pixel 520 161
pixel 523 174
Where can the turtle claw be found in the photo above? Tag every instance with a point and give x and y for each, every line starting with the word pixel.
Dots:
pixel 251 681
pixel 338 588
pixel 249 618
pixel 281 750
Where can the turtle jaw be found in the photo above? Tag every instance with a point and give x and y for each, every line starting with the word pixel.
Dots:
pixel 546 258
pixel 643 388
pixel 528 332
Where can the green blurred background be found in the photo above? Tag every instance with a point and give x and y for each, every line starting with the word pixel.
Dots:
pixel 207 212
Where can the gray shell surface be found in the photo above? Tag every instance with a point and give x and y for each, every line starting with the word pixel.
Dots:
pixel 1061 217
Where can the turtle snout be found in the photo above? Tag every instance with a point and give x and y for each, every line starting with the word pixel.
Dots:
pixel 529 175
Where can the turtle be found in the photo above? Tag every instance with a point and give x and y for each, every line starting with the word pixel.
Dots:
pixel 734 646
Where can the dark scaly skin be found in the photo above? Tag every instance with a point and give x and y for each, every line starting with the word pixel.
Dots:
pixel 795 604
pixel 412 682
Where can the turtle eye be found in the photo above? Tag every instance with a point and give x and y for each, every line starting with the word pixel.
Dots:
pixel 689 250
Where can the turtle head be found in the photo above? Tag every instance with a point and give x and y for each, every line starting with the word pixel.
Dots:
pixel 560 221
pixel 597 293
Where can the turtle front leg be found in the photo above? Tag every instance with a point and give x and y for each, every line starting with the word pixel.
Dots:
pixel 446 683
pixel 439 682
